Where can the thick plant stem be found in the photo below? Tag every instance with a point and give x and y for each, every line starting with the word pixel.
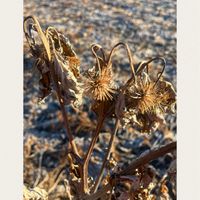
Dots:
pixel 89 153
pixel 148 157
pixel 107 157
pixel 130 169
pixel 64 113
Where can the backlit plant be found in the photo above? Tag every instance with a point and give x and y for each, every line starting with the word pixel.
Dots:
pixel 141 102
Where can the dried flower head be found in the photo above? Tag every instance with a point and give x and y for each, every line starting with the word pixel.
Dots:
pixel 142 95
pixel 145 100
pixel 99 83
pixel 147 97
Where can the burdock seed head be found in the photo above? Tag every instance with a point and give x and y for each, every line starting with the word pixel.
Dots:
pixel 100 86
pixel 142 95
pixel 99 83
pixel 146 100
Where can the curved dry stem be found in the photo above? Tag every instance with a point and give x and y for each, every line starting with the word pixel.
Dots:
pixel 27 30
pixel 98 47
pixel 84 173
pixel 129 56
pixel 107 157
pixel 40 34
pixel 144 65
pixel 94 49
pixel 153 154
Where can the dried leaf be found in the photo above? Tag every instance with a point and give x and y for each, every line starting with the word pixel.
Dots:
pixel 54 54
pixel 70 87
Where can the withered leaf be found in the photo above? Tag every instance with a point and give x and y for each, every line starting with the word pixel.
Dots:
pixel 54 51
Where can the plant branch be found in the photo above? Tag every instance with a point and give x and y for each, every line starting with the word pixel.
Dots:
pixel 89 153
pixel 107 157
pixel 152 155
pixel 64 113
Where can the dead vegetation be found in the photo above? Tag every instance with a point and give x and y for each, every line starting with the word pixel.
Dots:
pixel 140 102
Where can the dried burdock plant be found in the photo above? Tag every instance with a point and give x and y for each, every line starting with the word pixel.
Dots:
pixel 99 83
pixel 142 102
pixel 145 100
pixel 61 56
pixel 100 87
pixel 58 65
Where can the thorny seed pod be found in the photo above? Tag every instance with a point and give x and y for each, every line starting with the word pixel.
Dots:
pixel 145 101
pixel 99 83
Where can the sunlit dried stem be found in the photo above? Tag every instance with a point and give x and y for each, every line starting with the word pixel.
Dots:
pixel 153 154
pixel 40 33
pixel 107 157
pixel 89 153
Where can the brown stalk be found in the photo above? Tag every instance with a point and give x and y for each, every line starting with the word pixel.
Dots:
pixel 130 57
pixel 64 113
pixel 40 33
pixel 53 75
pixel 145 64
pixel 107 157
pixel 152 155
pixel 94 48
pixel 89 153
